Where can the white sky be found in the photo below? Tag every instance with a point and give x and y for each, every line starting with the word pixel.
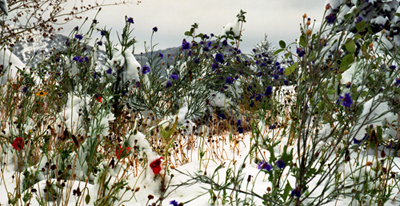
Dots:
pixel 279 19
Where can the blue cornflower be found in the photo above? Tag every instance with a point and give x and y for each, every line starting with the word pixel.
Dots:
pixel 155 29
pixel 280 164
pixel 103 32
pixel 81 60
pixel 109 70
pixel 268 91
pixel 206 49
pixel 100 43
pixel 348 85
pixel 95 75
pixel 295 192
pixel 196 60
pixel 229 80
pixel 286 82
pixel 137 84
pixel 205 36
pixel 219 58
pixel 25 90
pixel 169 84
pixel 185 45
pixel 160 55
pixel 272 126
pixel 174 76
pixel 145 69
pixel 130 20
pixel 209 44
pixel 78 36
pixel 174 203
pixel 249 88
pixel 258 98
pixel 392 67
pixel 263 165
pixel 397 82
pixel 277 64
pixel 300 52
pixel 330 18
pixel 252 104
pixel 259 74
pixel 225 43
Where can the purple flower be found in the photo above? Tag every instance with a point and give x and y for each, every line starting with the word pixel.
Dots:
pixel 214 66
pixel 295 192
pixel 268 91
pixel 137 84
pixel 359 19
pixel 174 76
pixel 219 58
pixel 206 49
pixel 130 20
pixel 229 80
pixel 174 203
pixel 249 88
pixel 145 69
pixel 196 60
pixel 225 43
pixel 109 70
pixel 263 165
pixel 100 43
pixel 185 45
pixel 81 60
pixel 76 58
pixel 280 164
pixel 330 18
pixel 300 52
pixel 221 116
pixel 160 55
pixel 155 29
pixel 392 67
pixel 347 100
pixel 286 82
pixel 103 32
pixel 78 36
pixel 169 84
pixel 397 82
pixel 251 104
pixel 25 90
pixel 95 75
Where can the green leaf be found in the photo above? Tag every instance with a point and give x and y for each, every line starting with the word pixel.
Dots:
pixel 287 55
pixel 278 51
pixel 346 61
pixel 380 133
pixel 282 44
pixel 331 91
pixel 291 69
pixel 188 33
pixel 350 46
pixel 397 14
pixel 303 41
pixel 286 191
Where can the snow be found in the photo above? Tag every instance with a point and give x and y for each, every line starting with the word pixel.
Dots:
pixel 232 26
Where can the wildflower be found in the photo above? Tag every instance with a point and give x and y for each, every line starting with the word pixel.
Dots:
pixel 347 100
pixel 229 80
pixel 41 94
pixel 137 84
pixel 94 21
pixel 251 104
pixel 272 126
pixel 145 69
pixel 76 28
pixel 393 67
pixel 185 45
pixel 300 52
pixel 156 165
pixel 280 164
pixel 348 85
pixel 221 116
pixel 259 74
pixel 359 19
pixel 268 91
pixel 214 66
pixel 174 76
pixel 169 84
pixel 225 43
pixel 330 18
pixel 103 32
pixel 206 49
pixel 76 58
pixel 25 90
pixel 98 97
pixel 109 70
pixel 119 151
pixel 160 55
pixel 130 20
pixel 286 82
pixel 249 88
pixel 328 6
pixel 100 43
pixel 219 58
pixel 174 203
pixel 263 165
pixel 295 192
pixel 18 143
pixel 81 60
pixel 196 60
pixel 78 36
pixel 155 29
pixel 277 64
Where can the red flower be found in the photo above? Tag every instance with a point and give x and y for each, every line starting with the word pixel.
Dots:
pixel 18 143
pixel 98 97
pixel 156 165
pixel 119 151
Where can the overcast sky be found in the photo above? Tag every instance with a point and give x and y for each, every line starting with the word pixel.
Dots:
pixel 279 19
